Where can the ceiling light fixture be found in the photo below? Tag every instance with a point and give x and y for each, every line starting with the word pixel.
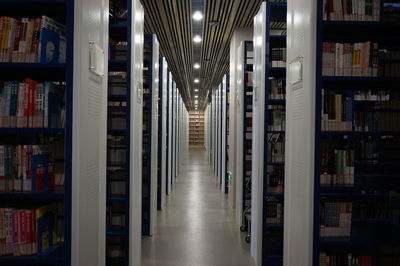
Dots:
pixel 196 66
pixel 196 96
pixel 196 90
pixel 196 81
pixel 197 39
pixel 197 16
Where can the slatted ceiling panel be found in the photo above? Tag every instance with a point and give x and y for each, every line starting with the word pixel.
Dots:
pixel 171 21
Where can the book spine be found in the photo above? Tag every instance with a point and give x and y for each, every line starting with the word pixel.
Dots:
pixel 2 169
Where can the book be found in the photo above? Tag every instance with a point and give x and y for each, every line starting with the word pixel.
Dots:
pixel 336 111
pixel 30 40
pixel 26 168
pixel 31 104
pixel 337 167
pixel 351 10
pixel 359 59
pixel 335 219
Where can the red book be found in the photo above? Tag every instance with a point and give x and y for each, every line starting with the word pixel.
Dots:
pixel 28 240
pixel 15 229
pixel 34 231
pixel 23 229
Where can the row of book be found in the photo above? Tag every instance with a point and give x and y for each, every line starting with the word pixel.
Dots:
pixel 371 209
pixel 274 213
pixel 276 178
pixel 337 111
pixel 352 10
pixel 250 77
pixel 117 83
pixel 117 50
pixel 276 117
pixel 32 104
pixel 31 40
pixel 28 231
pixel 115 216
pixel 391 11
pixel 26 168
pixel 116 187
pixel 276 148
pixel 278 57
pixel 372 95
pixel 373 121
pixel 116 141
pixel 117 123
pixel 335 219
pixel 116 156
pixel 359 59
pixel 277 90
pixel 337 167
pixel 345 259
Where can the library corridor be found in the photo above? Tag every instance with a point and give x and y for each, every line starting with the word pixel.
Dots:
pixel 197 227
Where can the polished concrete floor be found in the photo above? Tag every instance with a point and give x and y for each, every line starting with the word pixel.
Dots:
pixel 197 227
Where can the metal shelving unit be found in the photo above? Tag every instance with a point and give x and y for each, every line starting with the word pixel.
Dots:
pixel 150 133
pixel 370 192
pixel 62 11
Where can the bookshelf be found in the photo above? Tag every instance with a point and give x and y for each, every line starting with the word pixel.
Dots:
pixel 245 86
pixel 123 133
pixel 169 132
pixel 150 133
pixel 354 135
pixel 118 143
pixel 225 133
pixel 43 135
pixel 162 134
pixel 269 132
pixel 354 147
pixel 196 128
pixel 30 140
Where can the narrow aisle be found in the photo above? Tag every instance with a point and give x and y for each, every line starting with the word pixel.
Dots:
pixel 197 227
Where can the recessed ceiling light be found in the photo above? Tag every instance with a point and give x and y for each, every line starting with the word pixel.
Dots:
pixel 196 96
pixel 196 66
pixel 197 39
pixel 197 16
pixel 196 81
pixel 196 90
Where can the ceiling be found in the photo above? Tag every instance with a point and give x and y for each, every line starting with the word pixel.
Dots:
pixel 171 21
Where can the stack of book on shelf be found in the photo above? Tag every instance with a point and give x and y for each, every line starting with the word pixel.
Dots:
pixel 278 57
pixel 32 104
pixel 26 168
pixel 359 59
pixel 277 89
pixel 276 179
pixel 118 50
pixel 276 117
pixel 274 213
pixel 276 148
pixel 335 219
pixel 29 231
pixel 351 10
pixel 340 258
pixel 117 83
pixel 337 111
pixel 337 166
pixel 32 40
